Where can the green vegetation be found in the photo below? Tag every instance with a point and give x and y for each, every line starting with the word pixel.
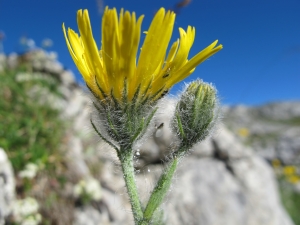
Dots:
pixel 291 201
pixel 293 121
pixel 288 179
pixel 262 139
pixel 29 132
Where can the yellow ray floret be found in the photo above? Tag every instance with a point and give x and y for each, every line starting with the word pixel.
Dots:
pixel 113 68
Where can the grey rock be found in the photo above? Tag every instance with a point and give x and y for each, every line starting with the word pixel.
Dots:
pixel 44 97
pixel 12 60
pixel 66 92
pixel 239 113
pixel 7 186
pixel 109 211
pixel 46 61
pixel 274 111
pixel 238 189
pixel 2 62
pixel 67 77
pixel 76 104
pixel 207 193
pixel 288 146
pixel 53 67
pixel 77 166
pixel 26 76
pixel 37 65
pixel 159 140
pixel 273 129
pixel 88 215
pixel 281 110
pixel 115 208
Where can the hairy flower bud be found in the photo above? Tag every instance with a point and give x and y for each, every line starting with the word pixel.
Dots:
pixel 195 113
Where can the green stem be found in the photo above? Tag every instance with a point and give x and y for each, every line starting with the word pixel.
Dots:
pixel 160 191
pixel 126 158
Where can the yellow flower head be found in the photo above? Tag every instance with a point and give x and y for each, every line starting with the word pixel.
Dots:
pixel 113 70
pixel 289 170
pixel 276 163
pixel 294 179
pixel 243 132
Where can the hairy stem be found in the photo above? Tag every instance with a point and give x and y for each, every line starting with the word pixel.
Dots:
pixel 126 158
pixel 160 191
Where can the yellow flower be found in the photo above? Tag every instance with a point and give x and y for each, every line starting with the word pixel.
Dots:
pixel 243 132
pixel 276 163
pixel 294 179
pixel 113 69
pixel 289 170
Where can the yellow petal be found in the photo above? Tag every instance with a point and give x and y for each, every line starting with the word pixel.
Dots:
pixel 91 53
pixel 195 61
pixel 132 78
pixel 111 51
pixel 172 51
pixel 76 53
pixel 186 42
pixel 155 45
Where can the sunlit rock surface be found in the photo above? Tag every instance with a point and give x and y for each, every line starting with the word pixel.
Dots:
pixel 237 187
pixel 7 187
pixel 271 129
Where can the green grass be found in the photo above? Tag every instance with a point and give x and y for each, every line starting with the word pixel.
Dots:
pixel 295 121
pixel 29 132
pixel 291 202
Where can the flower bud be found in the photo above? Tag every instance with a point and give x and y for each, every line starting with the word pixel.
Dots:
pixel 195 113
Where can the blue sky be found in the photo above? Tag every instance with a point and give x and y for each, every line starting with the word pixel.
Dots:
pixel 260 61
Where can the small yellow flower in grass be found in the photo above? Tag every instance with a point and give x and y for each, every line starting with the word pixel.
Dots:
pixel 289 170
pixel 112 71
pixel 276 163
pixel 243 132
pixel 294 179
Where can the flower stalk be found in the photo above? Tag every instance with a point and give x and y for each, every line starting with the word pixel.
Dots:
pixel 126 159
pixel 160 190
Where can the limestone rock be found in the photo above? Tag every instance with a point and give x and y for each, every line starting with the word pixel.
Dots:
pixel 7 186
pixel 271 129
pixel 75 159
pixel 281 110
pixel 109 211
pixel 288 146
pixel 12 60
pixel 229 184
pixel 159 139
pixel 67 77
pixel 206 192
pixel 88 215
pixel 2 61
